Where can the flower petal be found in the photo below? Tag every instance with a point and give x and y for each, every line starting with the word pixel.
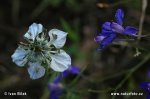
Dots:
pixel 148 95
pixel 117 28
pixel 98 39
pixel 130 31
pixel 33 31
pixel 74 70
pixel 145 85
pixel 20 57
pixel 107 40
pixel 56 90
pixel 148 73
pixel 106 26
pixel 35 70
pixel 58 78
pixel 60 61
pixel 105 33
pixel 60 39
pixel 119 16
pixel 70 70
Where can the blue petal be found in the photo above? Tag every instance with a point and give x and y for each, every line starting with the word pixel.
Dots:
pixel 71 70
pixel 117 28
pixel 119 16
pixel 105 33
pixel 148 95
pixel 145 85
pixel 74 70
pixel 34 30
pixel 60 77
pixel 130 31
pixel 54 95
pixel 108 40
pixel 20 56
pixel 148 73
pixel 99 39
pixel 36 71
pixel 56 90
pixel 106 26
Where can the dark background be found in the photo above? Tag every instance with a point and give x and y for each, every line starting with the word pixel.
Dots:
pixel 82 19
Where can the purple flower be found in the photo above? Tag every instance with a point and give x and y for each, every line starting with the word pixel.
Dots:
pixel 111 29
pixel 56 87
pixel 70 70
pixel 146 86
pixel 56 90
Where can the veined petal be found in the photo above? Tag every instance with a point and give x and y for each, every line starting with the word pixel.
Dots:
pixel 57 37
pixel 60 61
pixel 20 57
pixel 119 16
pixel 34 30
pixel 106 26
pixel 117 28
pixel 130 31
pixel 35 70
pixel 107 40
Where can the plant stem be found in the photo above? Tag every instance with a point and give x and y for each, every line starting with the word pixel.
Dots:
pixel 144 6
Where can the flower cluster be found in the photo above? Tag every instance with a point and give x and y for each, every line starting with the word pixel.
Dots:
pixel 56 87
pixel 111 29
pixel 42 51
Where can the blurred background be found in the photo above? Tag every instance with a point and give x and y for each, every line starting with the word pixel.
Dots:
pixel 82 19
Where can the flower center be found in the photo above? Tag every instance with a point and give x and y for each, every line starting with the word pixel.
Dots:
pixel 37 49
pixel 37 69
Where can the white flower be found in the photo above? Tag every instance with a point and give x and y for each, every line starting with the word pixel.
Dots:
pixel 35 70
pixel 43 52
pixel 20 56
pixel 60 61
pixel 57 37
pixel 34 31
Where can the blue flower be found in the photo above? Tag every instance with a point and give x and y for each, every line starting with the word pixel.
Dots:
pixel 56 87
pixel 41 51
pixel 111 29
pixel 56 90
pixel 146 86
